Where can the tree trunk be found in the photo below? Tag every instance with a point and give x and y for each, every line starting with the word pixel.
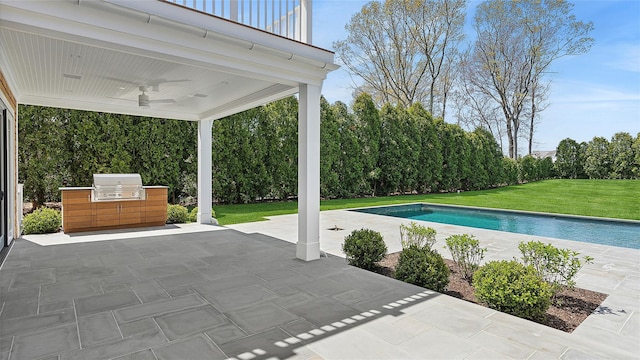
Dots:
pixel 533 117
pixel 510 138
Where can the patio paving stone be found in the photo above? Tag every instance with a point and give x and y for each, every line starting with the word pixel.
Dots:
pixel 149 291
pixel 55 306
pixel 296 299
pixel 265 342
pixel 67 291
pixel 195 348
pixel 182 324
pixel 157 308
pixel 32 278
pixel 182 279
pixel 323 311
pixel 139 355
pixel 115 348
pixel 227 283
pixel 225 333
pixel 239 297
pixel 47 342
pixel 434 342
pixel 28 293
pixel 18 308
pixel 158 271
pixel 138 327
pixel 109 301
pixel 33 323
pixel 97 328
pixel 260 317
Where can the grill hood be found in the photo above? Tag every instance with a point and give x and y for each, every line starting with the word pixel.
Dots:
pixel 117 187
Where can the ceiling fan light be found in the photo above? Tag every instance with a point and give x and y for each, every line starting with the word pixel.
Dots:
pixel 143 101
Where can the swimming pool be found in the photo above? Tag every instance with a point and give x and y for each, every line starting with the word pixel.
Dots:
pixel 605 232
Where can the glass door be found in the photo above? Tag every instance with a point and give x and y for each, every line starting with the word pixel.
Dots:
pixel 3 177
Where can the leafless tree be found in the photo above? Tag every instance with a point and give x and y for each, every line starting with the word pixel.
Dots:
pixel 516 41
pixel 402 50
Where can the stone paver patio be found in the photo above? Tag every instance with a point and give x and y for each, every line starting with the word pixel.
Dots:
pixel 206 292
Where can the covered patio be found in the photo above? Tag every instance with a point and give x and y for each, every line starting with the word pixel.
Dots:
pixel 167 59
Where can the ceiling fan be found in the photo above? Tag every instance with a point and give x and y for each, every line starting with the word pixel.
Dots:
pixel 144 101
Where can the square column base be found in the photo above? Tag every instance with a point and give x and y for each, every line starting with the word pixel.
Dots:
pixel 308 251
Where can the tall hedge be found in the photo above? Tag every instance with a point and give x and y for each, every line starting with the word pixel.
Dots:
pixel 364 151
pixel 599 158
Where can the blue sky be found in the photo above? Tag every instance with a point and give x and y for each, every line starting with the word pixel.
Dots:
pixel 595 94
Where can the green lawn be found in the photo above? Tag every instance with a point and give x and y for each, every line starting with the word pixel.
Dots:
pixel 603 198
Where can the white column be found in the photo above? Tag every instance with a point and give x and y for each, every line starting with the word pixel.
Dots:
pixel 308 246
pixel 204 172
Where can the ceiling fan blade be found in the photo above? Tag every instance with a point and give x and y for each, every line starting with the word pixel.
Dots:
pixel 120 80
pixel 117 98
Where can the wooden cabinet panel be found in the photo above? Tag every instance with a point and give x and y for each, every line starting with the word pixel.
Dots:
pixel 77 210
pixel 156 194
pixel 76 196
pixel 79 213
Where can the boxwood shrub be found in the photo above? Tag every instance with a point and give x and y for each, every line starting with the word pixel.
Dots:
pixel 423 267
pixel 42 221
pixel 364 248
pixel 177 214
pixel 513 288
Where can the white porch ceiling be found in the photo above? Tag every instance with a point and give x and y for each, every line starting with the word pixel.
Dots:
pixel 94 55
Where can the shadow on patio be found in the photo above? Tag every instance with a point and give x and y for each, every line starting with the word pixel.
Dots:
pixel 202 295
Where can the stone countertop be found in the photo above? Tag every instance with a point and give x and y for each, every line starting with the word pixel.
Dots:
pixel 93 188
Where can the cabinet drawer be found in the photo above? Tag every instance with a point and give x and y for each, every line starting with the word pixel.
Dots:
pixel 156 194
pixel 77 207
pixel 76 197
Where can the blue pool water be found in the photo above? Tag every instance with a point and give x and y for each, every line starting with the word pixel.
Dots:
pixel 605 232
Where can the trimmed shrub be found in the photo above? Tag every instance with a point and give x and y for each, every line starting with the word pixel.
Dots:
pixel 177 214
pixel 466 252
pixel 42 221
pixel 418 235
pixel 556 266
pixel 193 214
pixel 513 288
pixel 364 248
pixel 423 267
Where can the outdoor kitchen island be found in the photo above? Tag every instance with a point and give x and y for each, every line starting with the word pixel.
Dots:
pixel 115 201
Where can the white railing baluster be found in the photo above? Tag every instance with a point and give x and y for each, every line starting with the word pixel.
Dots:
pixel 291 19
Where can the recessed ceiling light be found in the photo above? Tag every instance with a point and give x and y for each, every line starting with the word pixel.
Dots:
pixel 122 88
pixel 71 76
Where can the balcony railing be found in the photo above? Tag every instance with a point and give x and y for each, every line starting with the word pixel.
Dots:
pixel 287 18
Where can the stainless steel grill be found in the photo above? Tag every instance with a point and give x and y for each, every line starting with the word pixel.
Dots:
pixel 117 187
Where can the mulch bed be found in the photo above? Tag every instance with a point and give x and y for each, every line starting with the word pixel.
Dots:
pixel 575 305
